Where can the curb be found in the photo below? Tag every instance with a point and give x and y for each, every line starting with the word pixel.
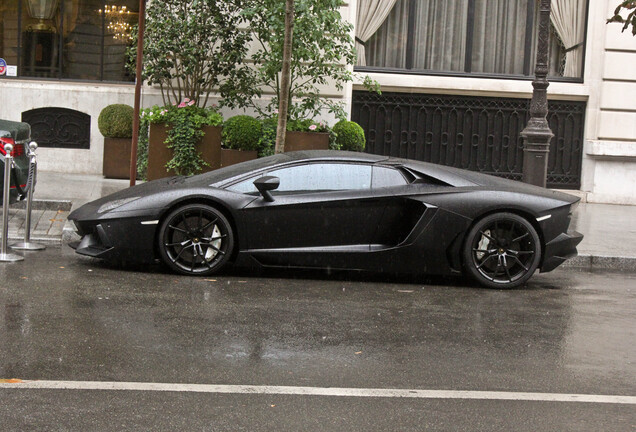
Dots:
pixel 38 204
pixel 601 262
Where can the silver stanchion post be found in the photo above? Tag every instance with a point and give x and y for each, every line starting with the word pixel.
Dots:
pixel 6 190
pixel 27 244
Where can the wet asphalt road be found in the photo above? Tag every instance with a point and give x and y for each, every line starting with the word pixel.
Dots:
pixel 68 318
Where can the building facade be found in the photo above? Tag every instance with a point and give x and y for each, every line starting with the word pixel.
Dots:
pixel 455 76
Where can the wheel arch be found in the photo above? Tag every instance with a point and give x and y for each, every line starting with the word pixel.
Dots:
pixel 206 201
pixel 519 212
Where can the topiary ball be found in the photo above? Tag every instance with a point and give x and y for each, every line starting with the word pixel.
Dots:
pixel 350 136
pixel 115 121
pixel 242 132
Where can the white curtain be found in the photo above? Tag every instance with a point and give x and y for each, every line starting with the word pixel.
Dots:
pixel 387 47
pixel 371 15
pixel 498 42
pixel 568 18
pixel 440 35
pixel 499 36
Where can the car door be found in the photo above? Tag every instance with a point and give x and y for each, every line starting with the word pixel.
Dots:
pixel 318 205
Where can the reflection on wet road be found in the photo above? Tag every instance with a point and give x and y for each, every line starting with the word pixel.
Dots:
pixel 74 319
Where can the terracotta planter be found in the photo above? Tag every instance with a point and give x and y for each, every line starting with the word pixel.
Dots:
pixel 159 154
pixel 296 141
pixel 231 157
pixel 116 163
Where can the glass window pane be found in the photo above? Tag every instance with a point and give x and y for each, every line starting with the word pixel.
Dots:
pixel 76 39
pixel 9 31
pixel 387 47
pixel 441 31
pixel 499 36
pixel 40 37
pixel 323 177
pixel 567 36
pixel 440 35
pixel 387 177
pixel 96 37
pixel 314 177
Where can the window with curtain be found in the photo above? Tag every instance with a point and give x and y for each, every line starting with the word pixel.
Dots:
pixel 470 36
pixel 67 39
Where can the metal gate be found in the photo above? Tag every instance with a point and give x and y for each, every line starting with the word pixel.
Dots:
pixel 475 133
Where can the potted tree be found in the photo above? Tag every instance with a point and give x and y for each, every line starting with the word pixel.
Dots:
pixel 191 48
pixel 183 140
pixel 115 124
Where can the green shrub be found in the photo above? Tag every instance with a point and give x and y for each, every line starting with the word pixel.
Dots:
pixel 349 135
pixel 267 142
pixel 115 121
pixel 242 132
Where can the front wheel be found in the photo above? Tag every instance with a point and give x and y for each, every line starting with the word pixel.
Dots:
pixel 502 250
pixel 196 239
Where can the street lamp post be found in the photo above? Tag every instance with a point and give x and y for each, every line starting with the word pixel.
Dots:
pixel 537 134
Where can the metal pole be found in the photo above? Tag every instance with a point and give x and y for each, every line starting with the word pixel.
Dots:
pixel 537 134
pixel 6 190
pixel 27 244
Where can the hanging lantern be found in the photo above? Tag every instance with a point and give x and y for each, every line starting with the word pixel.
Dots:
pixel 42 9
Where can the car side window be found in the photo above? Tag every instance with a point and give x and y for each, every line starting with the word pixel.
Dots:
pixel 387 177
pixel 319 177
pixel 314 177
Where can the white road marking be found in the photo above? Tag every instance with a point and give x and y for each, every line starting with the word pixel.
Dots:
pixel 322 391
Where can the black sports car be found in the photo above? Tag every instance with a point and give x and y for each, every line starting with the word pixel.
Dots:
pixel 336 210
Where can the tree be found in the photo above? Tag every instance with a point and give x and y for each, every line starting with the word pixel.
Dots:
pixel 322 47
pixel 631 16
pixel 192 47
pixel 285 81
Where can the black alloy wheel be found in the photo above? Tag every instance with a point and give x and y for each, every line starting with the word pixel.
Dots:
pixel 196 239
pixel 502 250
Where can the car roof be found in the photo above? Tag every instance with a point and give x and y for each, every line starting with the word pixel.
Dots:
pixel 337 155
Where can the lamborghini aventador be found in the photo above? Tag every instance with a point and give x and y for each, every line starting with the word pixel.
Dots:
pixel 335 210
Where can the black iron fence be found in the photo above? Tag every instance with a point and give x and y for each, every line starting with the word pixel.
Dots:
pixel 475 133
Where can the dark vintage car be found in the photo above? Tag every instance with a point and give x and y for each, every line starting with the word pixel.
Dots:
pixel 336 210
pixel 18 135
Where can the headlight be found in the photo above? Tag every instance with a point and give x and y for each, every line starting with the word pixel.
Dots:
pixel 111 205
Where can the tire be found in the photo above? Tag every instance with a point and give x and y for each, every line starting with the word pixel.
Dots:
pixel 502 250
pixel 195 239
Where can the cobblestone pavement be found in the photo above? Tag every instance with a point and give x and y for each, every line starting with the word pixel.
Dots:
pixel 47 221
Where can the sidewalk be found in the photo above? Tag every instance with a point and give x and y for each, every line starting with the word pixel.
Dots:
pixel 609 230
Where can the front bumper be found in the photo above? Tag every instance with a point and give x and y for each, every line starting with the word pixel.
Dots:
pixel 563 247
pixel 117 240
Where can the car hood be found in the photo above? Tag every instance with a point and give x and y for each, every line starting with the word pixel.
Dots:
pixel 143 190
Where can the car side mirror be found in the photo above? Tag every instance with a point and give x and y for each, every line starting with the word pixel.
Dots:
pixel 265 185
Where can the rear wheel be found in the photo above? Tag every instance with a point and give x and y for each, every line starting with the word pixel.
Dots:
pixel 502 250
pixel 196 239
